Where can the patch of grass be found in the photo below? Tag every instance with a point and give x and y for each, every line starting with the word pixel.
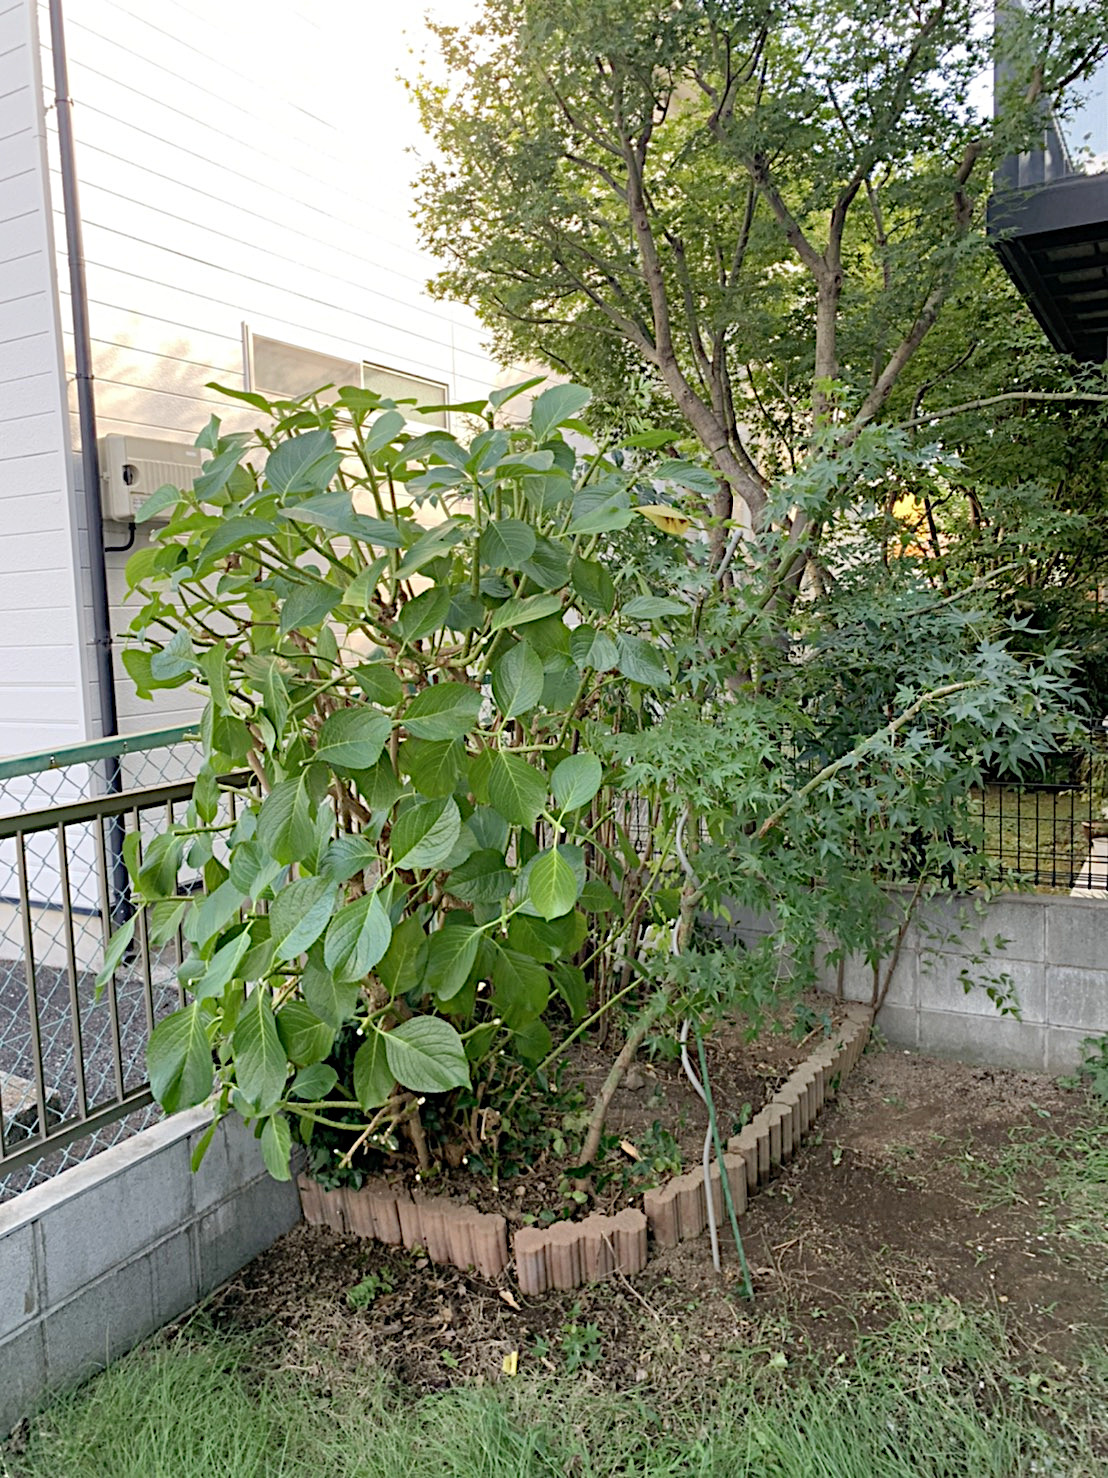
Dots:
pixel 939 1392
pixel 1071 1169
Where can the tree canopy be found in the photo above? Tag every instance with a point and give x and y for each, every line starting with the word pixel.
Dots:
pixel 763 208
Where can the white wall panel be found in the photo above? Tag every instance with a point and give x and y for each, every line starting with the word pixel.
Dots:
pixel 41 693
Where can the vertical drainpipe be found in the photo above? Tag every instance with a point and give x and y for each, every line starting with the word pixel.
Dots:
pixel 86 405
pixel 90 454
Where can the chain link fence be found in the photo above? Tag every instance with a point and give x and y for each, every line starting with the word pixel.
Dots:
pixel 72 1067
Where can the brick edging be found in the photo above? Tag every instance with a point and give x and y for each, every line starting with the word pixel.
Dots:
pixel 568 1253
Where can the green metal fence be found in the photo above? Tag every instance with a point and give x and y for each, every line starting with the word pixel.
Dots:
pixel 72 1068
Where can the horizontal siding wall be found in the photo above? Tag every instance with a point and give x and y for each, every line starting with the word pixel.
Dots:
pixel 41 697
pixel 238 164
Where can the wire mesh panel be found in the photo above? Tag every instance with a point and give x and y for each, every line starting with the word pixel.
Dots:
pixel 72 1065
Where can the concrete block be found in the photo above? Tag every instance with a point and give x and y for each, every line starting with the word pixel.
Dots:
pixel 100 1323
pixel 1065 1050
pixel 175 1276
pixel 941 989
pixel 231 1234
pixel 19 1292
pixel 233 1158
pixel 901 1025
pixel 110 1222
pixel 1077 933
pixel 22 1375
pixel 1021 921
pixel 1000 1042
pixel 1079 998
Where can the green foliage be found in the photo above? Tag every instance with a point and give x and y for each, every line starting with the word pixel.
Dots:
pixel 366 1293
pixel 507 740
pixel 1093 1072
pixel 383 625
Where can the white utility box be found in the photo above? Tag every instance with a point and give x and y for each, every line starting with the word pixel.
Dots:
pixel 133 467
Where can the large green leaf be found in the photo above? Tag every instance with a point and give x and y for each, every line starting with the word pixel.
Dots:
pixel 424 834
pixel 333 1001
pixel 687 475
pixel 451 954
pixel 357 937
pixel 516 789
pixel 521 610
pixel 179 1059
pixel 427 1055
pixel 374 1080
pixel 522 988
pixel 115 951
pixel 433 764
pixel 576 780
pixel 261 1066
pixel 484 877
pixel 305 1038
pixel 314 1082
pixel 592 648
pixel 212 914
pixel 552 885
pixel 639 661
pixel 336 513
pixel 379 682
pixel 559 403
pixel 285 826
pixel 517 680
pixel 506 543
pixel 353 738
pixel 592 583
pixel 159 500
pixel 424 614
pixel 654 607
pixel 299 915
pixel 405 960
pixel 443 711
pixel 232 534
pixel 346 855
pixel 303 464
pixel 221 968
pixel 277 1146
pixel 307 606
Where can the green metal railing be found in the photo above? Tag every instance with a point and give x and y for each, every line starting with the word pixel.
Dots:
pixel 72 1067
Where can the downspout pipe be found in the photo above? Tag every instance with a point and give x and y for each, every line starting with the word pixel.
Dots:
pixel 119 902
pixel 86 404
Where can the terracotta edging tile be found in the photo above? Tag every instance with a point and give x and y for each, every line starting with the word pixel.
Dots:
pixel 568 1253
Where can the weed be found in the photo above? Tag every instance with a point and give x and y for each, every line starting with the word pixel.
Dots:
pixel 1093 1072
pixel 369 1289
pixel 580 1345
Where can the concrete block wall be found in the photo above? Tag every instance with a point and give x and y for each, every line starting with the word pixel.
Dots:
pixel 104 1254
pixel 1055 953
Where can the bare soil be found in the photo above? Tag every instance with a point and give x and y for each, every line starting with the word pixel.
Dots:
pixel 655 1125
pixel 874 1214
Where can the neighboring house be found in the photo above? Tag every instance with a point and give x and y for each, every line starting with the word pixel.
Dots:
pixel 245 193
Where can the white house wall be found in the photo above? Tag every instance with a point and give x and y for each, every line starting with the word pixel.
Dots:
pixel 41 698
pixel 243 161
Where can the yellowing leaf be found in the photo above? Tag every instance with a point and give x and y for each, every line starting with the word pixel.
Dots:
pixel 511 1363
pixel 663 517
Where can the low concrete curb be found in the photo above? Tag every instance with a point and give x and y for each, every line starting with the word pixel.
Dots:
pixel 568 1253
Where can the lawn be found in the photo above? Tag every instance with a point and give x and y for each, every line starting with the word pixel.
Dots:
pixel 932 1299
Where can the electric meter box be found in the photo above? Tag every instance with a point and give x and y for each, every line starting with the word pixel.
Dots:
pixel 133 467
